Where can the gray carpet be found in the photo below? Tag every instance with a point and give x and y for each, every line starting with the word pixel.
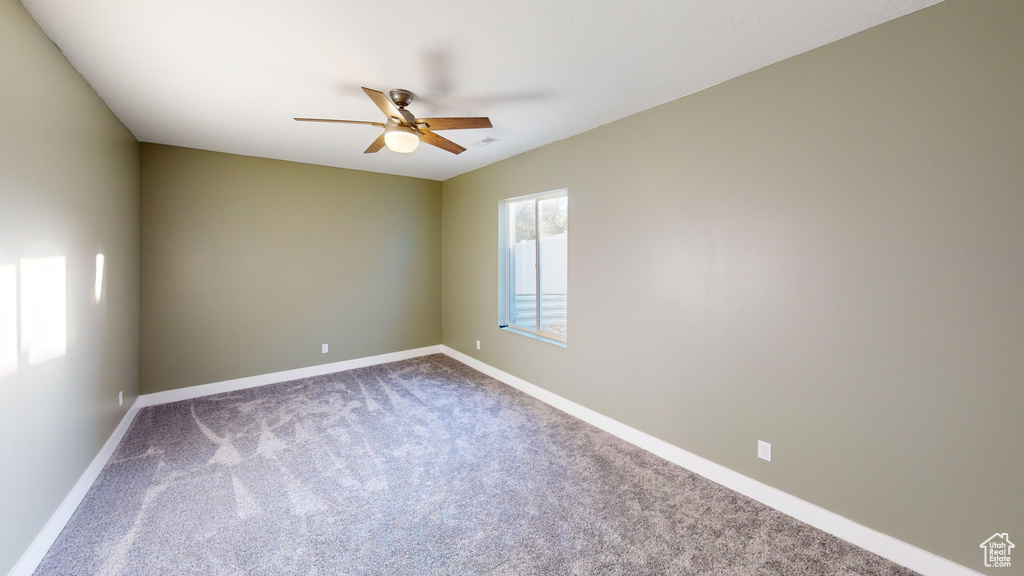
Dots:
pixel 417 467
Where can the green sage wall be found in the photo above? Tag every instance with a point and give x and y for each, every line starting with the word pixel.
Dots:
pixel 250 264
pixel 826 254
pixel 69 187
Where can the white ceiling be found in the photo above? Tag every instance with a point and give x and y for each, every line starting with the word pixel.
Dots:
pixel 229 75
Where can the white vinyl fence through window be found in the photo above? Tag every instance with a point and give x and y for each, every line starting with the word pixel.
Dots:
pixel 554 278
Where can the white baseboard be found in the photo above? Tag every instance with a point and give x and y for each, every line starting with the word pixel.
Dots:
pixel 30 560
pixel 190 392
pixel 885 546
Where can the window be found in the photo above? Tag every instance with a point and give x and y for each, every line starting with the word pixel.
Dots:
pixel 533 264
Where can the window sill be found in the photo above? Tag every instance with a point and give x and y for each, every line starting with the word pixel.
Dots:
pixel 534 336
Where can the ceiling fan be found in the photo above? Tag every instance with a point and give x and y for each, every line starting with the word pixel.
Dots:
pixel 403 131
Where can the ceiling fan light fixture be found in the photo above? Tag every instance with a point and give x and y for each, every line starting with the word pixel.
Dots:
pixel 401 139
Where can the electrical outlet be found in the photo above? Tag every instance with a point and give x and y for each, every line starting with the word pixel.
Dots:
pixel 120 398
pixel 764 450
pixel 323 348
pixel 477 344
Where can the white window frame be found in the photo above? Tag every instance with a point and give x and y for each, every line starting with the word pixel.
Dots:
pixel 506 244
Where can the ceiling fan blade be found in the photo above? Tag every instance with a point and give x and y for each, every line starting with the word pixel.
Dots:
pixel 379 124
pixel 385 104
pixel 376 146
pixel 442 143
pixel 454 123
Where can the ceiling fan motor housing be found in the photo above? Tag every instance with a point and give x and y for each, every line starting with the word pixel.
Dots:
pixel 401 97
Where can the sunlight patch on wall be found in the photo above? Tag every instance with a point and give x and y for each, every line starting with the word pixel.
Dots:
pixel 44 330
pixel 8 320
pixel 99 277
